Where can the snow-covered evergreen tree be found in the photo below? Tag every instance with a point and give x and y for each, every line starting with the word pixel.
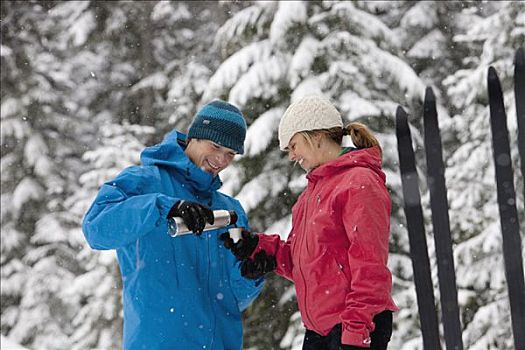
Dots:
pixel 274 53
pixel 72 72
pixel 457 42
pixel 83 82
pixel 495 32
pixel 38 143
pixel 349 52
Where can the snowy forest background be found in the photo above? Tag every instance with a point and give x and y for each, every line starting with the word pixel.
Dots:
pixel 86 85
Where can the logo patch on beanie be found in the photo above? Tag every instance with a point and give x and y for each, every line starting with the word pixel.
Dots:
pixel 206 121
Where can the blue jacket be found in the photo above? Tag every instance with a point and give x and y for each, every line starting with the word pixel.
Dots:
pixel 181 292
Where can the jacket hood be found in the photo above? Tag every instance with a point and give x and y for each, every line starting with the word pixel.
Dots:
pixel 366 158
pixel 170 155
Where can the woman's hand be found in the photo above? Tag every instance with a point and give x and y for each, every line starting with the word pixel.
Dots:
pixel 244 247
pixel 261 263
pixel 259 266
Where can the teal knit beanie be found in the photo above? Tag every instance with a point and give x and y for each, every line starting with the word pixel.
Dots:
pixel 222 123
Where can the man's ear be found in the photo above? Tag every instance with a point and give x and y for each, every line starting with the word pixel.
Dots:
pixel 193 140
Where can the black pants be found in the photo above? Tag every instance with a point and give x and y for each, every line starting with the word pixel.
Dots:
pixel 380 336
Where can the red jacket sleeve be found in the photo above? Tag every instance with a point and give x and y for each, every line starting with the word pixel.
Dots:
pixel 365 210
pixel 273 245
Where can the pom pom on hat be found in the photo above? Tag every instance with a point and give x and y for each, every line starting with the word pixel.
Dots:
pixel 307 114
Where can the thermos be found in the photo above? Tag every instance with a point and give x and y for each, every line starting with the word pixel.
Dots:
pixel 223 218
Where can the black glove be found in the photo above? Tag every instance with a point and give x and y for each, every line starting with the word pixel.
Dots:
pixel 259 266
pixel 379 337
pixel 194 215
pixel 244 247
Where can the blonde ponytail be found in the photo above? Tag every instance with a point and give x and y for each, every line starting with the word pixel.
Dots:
pixel 361 136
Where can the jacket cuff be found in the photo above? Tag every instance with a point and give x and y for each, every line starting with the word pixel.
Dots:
pixel 259 247
pixel 355 339
pixel 164 205
pixel 245 290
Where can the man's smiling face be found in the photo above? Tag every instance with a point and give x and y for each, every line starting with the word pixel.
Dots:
pixel 209 156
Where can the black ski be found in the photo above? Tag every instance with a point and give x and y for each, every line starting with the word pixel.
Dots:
pixel 507 208
pixel 440 222
pixel 416 234
pixel 519 95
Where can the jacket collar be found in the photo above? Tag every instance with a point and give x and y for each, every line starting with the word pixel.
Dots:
pixel 366 157
pixel 170 154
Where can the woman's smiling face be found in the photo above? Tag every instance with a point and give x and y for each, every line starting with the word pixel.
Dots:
pixel 301 152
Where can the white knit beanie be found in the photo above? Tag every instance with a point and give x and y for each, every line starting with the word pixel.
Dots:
pixel 307 114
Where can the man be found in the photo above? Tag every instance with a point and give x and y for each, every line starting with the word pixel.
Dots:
pixel 182 292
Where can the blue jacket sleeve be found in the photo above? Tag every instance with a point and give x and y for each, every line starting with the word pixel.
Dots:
pixel 126 209
pixel 244 289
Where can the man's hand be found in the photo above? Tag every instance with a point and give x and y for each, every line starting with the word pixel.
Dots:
pixel 244 246
pixel 259 266
pixel 194 215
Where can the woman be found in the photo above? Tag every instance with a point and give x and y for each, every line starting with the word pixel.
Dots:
pixel 337 250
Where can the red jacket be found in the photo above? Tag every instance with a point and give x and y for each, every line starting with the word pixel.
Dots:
pixel 337 250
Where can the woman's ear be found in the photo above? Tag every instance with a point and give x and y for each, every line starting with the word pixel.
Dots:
pixel 318 139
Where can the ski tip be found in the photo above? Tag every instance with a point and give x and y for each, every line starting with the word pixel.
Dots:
pixel 401 120
pixel 429 95
pixel 520 57
pixel 492 75
pixel 400 112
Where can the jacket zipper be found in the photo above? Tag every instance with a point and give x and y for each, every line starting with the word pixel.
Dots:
pixel 205 267
pixel 304 238
pixel 214 320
